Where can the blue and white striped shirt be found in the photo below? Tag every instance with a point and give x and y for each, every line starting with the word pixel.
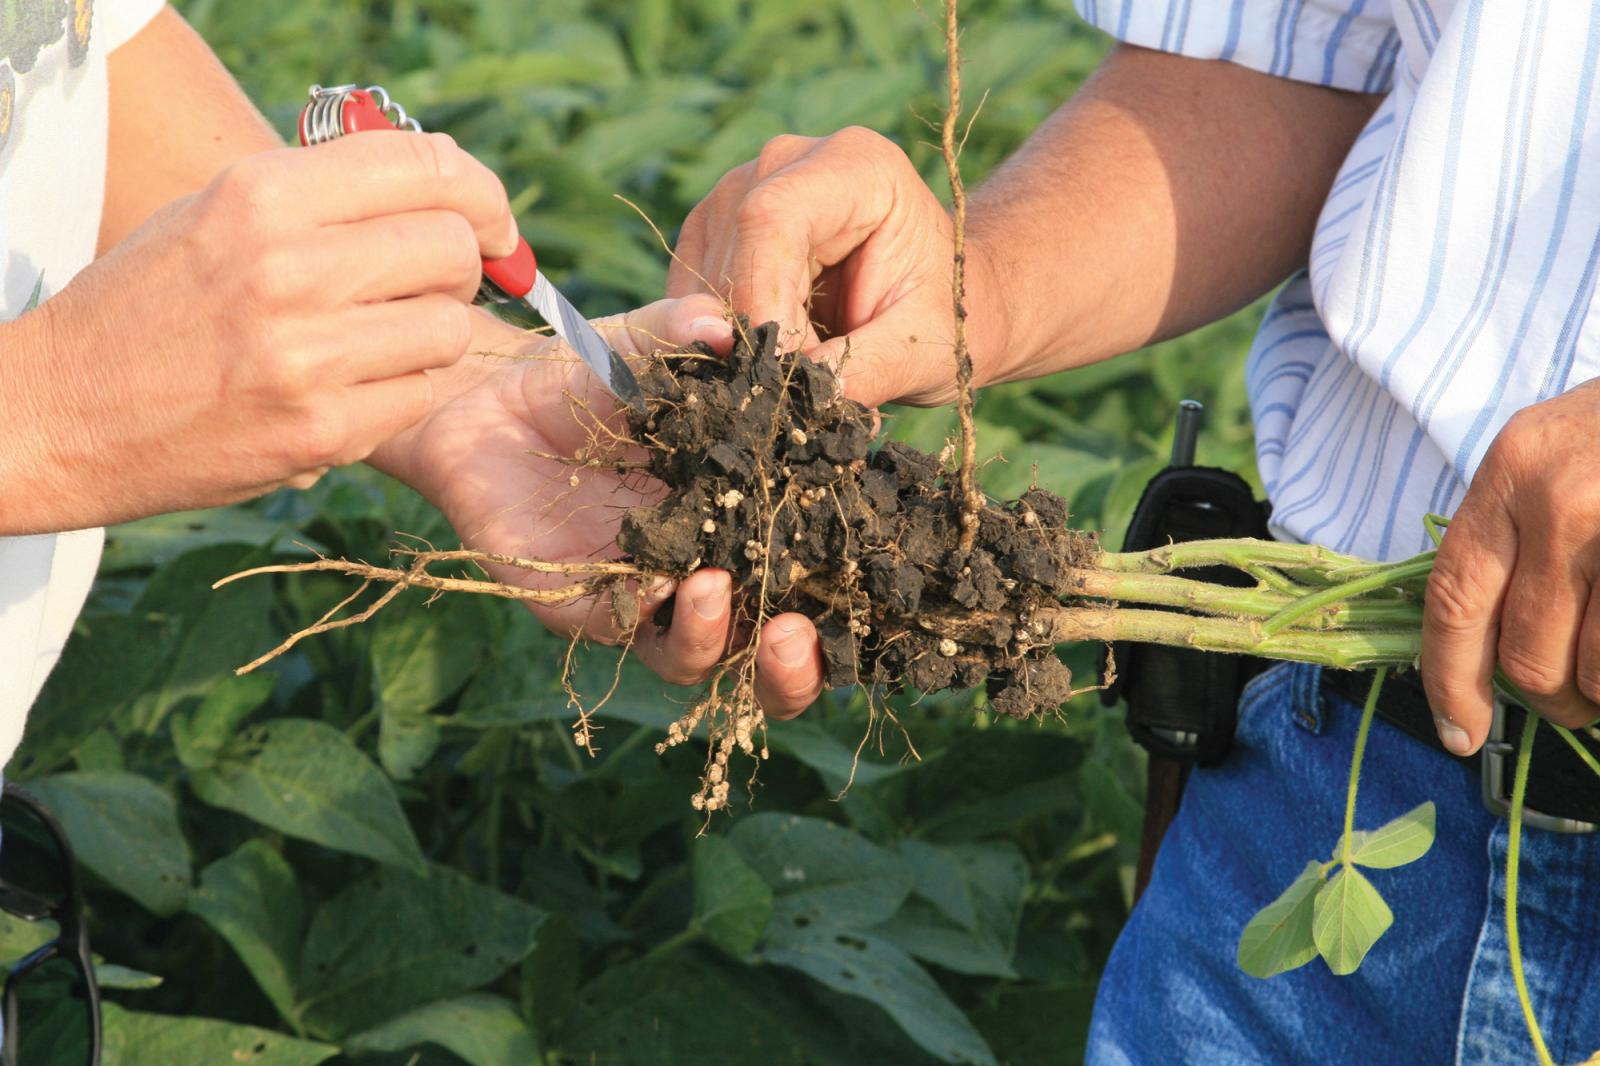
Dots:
pixel 1453 269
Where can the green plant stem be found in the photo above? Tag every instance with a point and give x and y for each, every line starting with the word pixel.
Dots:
pixel 1576 745
pixel 1367 713
pixel 1519 796
pixel 1350 589
pixel 1241 554
pixel 1166 590
pixel 1344 649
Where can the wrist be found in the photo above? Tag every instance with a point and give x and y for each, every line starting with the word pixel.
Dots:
pixel 989 316
pixel 33 500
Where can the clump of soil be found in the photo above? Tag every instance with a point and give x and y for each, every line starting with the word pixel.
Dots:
pixel 773 477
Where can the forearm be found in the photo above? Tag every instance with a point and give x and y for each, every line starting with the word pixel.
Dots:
pixel 1167 193
pixel 177 118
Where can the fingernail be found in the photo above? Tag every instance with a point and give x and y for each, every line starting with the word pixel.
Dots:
pixel 1453 737
pixel 658 591
pixel 792 648
pixel 516 235
pixel 711 603
pixel 713 331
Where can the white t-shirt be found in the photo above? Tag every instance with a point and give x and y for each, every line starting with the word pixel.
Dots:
pixel 52 187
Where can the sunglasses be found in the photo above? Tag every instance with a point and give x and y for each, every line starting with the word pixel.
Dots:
pixel 38 882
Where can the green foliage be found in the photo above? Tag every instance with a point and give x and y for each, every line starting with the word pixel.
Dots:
pixel 386 845
pixel 1341 917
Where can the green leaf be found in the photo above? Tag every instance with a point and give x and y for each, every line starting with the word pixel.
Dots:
pixel 1279 937
pixel 420 658
pixel 479 1029
pixel 1030 1025
pixel 818 870
pixel 732 904
pixel 864 965
pixel 218 630
pixel 19 936
pixel 1348 918
pixel 306 779
pixel 111 975
pixel 199 735
pixel 253 902
pixel 109 660
pixel 836 761
pixel 124 827
pixel 137 1039
pixel 156 541
pixel 640 1012
pixel 1406 839
pixel 974 894
pixel 394 940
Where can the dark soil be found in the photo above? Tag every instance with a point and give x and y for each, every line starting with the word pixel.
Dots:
pixel 773 478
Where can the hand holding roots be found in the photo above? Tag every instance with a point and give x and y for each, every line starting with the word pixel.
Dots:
pixel 770 474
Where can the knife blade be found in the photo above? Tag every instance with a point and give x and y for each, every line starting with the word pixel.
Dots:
pixel 345 109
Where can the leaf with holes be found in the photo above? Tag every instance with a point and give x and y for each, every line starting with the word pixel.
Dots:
pixel 393 941
pixel 820 871
pixel 306 779
pixel 137 1039
pixel 867 966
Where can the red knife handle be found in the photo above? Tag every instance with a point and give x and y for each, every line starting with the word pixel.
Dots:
pixel 334 113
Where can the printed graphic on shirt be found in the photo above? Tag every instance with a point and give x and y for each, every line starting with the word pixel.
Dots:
pixel 27 28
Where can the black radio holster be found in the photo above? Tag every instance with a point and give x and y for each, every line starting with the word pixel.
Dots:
pixel 1183 703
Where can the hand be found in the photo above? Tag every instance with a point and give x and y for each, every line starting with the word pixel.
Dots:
pixel 1514 582
pixel 840 240
pixel 252 335
pixel 488 457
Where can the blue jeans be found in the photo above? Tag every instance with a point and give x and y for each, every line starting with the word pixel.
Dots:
pixel 1435 989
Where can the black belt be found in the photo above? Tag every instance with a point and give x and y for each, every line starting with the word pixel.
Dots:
pixel 1563 793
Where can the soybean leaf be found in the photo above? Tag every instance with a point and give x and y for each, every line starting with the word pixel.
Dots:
pixel 218 630
pixel 975 896
pixel 819 870
pixel 124 827
pixel 926 933
pixel 19 936
pixel 864 965
pixel 419 659
pixel 253 902
pixel 1279 937
pixel 157 540
pixel 111 975
pixel 481 1030
pixel 305 778
pixel 109 660
pixel 395 940
pixel 200 734
pixel 1348 918
pixel 732 904
pixel 138 1039
pixel 1405 839
pixel 836 761
pixel 641 1012
pixel 1032 1025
